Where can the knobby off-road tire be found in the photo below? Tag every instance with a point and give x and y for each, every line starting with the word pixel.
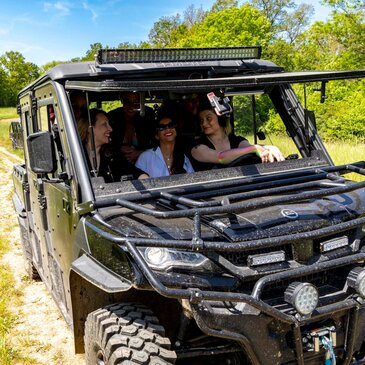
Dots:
pixel 126 334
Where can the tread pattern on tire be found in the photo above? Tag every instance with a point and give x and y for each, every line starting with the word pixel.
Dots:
pixel 126 334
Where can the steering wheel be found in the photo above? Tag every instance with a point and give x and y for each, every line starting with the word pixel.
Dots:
pixel 248 159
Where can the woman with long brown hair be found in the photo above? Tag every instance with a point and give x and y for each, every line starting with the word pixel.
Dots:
pixel 168 158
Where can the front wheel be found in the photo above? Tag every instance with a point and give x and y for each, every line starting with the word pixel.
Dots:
pixel 123 334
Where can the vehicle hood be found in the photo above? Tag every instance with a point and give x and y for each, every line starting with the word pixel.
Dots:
pixel 248 225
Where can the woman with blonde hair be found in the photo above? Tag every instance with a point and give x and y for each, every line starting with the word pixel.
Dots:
pixel 102 159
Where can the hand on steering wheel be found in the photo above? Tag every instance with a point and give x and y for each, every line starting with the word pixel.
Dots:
pixel 247 159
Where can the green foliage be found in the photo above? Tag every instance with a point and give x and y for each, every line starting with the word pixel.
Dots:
pixel 163 32
pixel 242 26
pixel 243 113
pixel 51 64
pixel 343 114
pixel 18 73
pixel 91 53
pixel 221 5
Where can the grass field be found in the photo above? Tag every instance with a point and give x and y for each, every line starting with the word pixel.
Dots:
pixel 341 152
pixel 8 113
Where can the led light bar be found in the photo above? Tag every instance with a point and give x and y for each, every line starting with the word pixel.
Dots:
pixel 266 258
pixel 334 243
pixel 149 55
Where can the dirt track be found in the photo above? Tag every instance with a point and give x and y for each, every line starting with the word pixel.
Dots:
pixel 40 334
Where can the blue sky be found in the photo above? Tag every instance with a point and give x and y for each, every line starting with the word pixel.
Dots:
pixel 49 30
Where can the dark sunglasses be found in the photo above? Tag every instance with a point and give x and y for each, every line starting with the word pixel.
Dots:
pixel 162 127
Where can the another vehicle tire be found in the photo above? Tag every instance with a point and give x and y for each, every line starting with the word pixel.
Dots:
pixel 126 334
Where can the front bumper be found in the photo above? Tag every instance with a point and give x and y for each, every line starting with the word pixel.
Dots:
pixel 267 334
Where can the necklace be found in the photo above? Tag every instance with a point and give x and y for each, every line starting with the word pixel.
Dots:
pixel 168 161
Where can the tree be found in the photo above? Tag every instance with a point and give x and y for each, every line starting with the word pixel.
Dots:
pixel 4 89
pixel 19 73
pixel 168 31
pixel 346 5
pixel 161 34
pixel 193 16
pixel 287 19
pixel 92 52
pixel 295 22
pixel 221 5
pixel 51 64
pixel 244 26
pixel 274 10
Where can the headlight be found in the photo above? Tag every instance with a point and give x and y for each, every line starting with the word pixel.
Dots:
pixel 302 296
pixel 164 258
pixel 356 280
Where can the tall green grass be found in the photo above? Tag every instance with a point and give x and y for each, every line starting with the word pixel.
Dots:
pixel 8 295
pixel 8 354
pixel 8 113
pixel 341 152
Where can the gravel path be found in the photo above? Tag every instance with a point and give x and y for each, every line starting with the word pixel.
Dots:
pixel 40 333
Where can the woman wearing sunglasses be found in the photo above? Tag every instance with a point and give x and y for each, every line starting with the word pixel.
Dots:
pixel 168 158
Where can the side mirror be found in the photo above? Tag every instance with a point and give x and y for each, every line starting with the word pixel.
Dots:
pixel 41 150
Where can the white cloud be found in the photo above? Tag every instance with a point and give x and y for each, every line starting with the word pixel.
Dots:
pixel 94 14
pixel 61 8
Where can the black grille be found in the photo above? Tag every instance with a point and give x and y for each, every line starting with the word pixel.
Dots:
pixel 240 258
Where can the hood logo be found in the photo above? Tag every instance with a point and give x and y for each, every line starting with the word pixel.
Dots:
pixel 289 213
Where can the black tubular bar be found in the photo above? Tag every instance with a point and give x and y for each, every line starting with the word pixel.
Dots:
pixel 186 354
pixel 286 177
pixel 298 344
pixel 262 190
pixel 186 201
pixel 257 188
pixel 353 320
pixel 234 207
pixel 301 271
pixel 223 246
pixel 223 333
pixel 253 186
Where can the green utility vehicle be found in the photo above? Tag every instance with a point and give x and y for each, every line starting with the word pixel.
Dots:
pixel 256 263
pixel 16 134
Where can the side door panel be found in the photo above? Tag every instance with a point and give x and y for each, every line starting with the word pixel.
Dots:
pixel 52 206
